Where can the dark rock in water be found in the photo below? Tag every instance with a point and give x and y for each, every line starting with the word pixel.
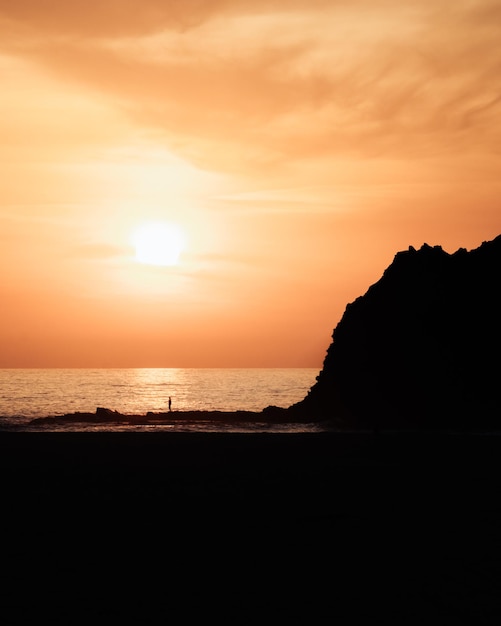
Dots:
pixel 106 414
pixel 421 348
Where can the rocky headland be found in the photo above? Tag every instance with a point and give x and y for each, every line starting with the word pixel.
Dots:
pixel 421 348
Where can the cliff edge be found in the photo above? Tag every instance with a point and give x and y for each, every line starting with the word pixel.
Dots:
pixel 421 348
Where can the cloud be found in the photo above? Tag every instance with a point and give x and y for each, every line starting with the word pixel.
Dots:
pixel 101 251
pixel 101 18
pixel 115 18
pixel 248 86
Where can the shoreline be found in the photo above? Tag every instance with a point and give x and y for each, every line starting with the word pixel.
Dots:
pixel 422 448
pixel 103 416
pixel 109 416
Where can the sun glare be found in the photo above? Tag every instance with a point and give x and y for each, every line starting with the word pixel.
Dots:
pixel 158 243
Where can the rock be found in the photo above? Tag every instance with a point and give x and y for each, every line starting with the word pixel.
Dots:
pixel 421 348
pixel 106 414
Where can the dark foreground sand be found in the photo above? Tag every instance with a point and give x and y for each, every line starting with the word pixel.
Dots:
pixel 175 528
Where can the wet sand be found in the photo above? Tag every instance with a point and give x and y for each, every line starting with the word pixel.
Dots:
pixel 156 528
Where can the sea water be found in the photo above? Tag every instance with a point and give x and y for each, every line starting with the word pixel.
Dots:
pixel 26 394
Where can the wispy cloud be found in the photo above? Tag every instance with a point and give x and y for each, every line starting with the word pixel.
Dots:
pixel 100 251
pixel 251 85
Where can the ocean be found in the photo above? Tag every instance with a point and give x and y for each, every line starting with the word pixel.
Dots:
pixel 26 394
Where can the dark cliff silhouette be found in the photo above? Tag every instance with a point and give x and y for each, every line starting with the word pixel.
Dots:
pixel 422 348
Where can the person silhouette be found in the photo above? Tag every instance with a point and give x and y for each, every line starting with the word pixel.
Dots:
pixel 170 404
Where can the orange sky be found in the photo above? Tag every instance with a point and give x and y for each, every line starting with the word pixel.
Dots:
pixel 297 144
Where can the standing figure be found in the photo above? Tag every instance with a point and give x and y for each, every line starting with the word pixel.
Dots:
pixel 170 404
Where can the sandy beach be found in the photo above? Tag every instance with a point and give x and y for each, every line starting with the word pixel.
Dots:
pixel 153 528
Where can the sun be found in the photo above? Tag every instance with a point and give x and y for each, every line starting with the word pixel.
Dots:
pixel 158 243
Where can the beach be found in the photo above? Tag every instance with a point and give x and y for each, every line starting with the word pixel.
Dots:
pixel 153 528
